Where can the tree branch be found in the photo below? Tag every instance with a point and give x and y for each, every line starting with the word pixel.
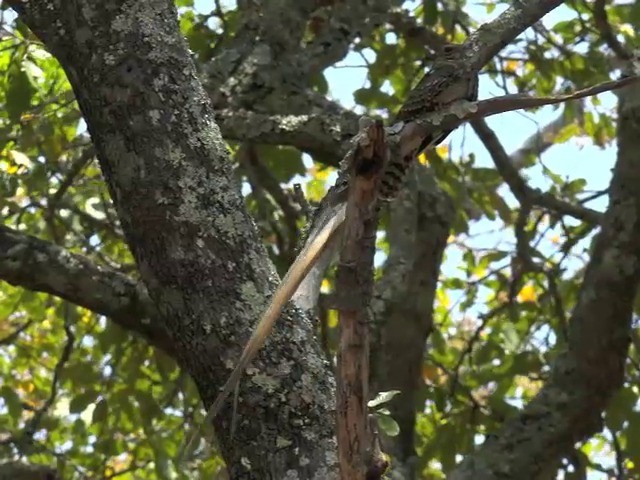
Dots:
pixel 323 135
pixel 402 305
pixel 410 135
pixel 30 263
pixel 337 26
pixel 601 20
pixel 491 37
pixel 585 376
pixel 196 247
pixel 543 139
pixel 519 187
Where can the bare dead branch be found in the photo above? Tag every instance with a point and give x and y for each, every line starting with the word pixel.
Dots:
pixel 354 284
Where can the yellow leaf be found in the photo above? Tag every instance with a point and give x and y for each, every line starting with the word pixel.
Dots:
pixel 320 174
pixel 433 375
pixel 430 373
pixel 511 66
pixel 27 387
pixel 627 30
pixel 325 285
pixel 527 294
pixel 422 158
pixel 442 150
pixel 479 271
pixel 451 239
pixel 86 317
pixel 332 319
pixel 12 169
pixel 443 298
pixel 315 190
pixel 20 158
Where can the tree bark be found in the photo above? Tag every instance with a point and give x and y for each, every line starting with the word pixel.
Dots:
pixel 419 224
pixel 197 250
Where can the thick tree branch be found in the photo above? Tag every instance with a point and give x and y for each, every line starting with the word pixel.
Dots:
pixel 583 378
pixel 323 135
pixel 37 265
pixel 196 247
pixel 337 26
pixel 419 224
pixel 490 38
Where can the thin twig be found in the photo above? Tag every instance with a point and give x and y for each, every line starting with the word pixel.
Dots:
pixel 601 21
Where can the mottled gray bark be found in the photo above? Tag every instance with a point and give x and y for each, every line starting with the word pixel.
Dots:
pixel 41 266
pixel 196 247
pixel 22 471
pixel 419 225
pixel 323 135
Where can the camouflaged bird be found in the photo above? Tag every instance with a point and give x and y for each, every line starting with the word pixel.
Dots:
pixel 444 84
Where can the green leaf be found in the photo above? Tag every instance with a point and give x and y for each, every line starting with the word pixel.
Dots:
pixel 510 337
pixel 620 407
pixel 34 72
pixel 80 402
pixel 20 91
pixel 633 437
pixel 374 98
pixel 100 412
pixel 12 400
pixel 320 84
pixel 388 425
pixel 430 14
pixel 282 162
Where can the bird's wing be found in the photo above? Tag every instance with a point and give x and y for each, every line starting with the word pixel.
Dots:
pixel 426 96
